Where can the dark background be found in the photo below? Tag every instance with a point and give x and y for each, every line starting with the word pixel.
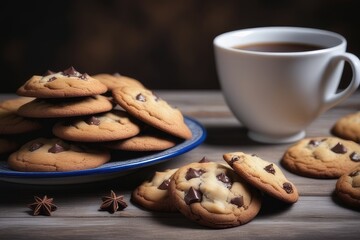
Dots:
pixel 166 44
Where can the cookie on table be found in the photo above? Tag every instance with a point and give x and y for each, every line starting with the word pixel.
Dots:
pixel 108 126
pixel 149 139
pixel 7 145
pixel 264 175
pixel 65 107
pixel 149 108
pixel 11 122
pixel 56 155
pixel 213 195
pixel 322 157
pixel 116 80
pixel 348 127
pixel 348 188
pixel 153 194
pixel 68 83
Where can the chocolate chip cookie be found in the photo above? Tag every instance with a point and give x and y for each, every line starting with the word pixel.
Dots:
pixel 322 157
pixel 67 83
pixel 213 195
pixel 108 126
pixel 348 188
pixel 65 107
pixel 149 108
pixel 153 194
pixel 348 127
pixel 264 175
pixel 116 80
pixel 56 155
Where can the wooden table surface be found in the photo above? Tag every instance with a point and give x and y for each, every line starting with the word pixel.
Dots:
pixel 317 214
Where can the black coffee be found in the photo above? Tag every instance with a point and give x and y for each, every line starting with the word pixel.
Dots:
pixel 279 47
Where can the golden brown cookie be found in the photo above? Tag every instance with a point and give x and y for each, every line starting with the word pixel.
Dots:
pixel 348 188
pixel 322 157
pixel 213 195
pixel 264 175
pixel 11 122
pixel 149 139
pixel 68 83
pixel 65 107
pixel 108 126
pixel 348 127
pixel 56 155
pixel 153 194
pixel 116 80
pixel 146 106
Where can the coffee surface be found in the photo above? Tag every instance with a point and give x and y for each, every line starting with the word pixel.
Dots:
pixel 279 47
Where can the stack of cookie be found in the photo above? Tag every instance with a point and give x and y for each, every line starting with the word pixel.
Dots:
pixel 80 111
pixel 215 195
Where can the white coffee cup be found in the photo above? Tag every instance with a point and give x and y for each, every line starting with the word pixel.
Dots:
pixel 276 95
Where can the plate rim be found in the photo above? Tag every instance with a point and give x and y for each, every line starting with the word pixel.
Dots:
pixel 148 161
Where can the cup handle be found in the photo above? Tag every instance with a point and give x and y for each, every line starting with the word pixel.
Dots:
pixel 331 100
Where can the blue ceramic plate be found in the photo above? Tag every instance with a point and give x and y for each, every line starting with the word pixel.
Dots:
pixel 121 164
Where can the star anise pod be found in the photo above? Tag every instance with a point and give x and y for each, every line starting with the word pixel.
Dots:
pixel 42 206
pixel 113 203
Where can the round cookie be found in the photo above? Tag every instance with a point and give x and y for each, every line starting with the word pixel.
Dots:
pixel 264 175
pixel 7 145
pixel 144 105
pixel 68 83
pixel 348 127
pixel 56 155
pixel 11 122
pixel 322 157
pixel 347 188
pixel 116 80
pixel 147 140
pixel 153 194
pixel 108 126
pixel 213 195
pixel 65 107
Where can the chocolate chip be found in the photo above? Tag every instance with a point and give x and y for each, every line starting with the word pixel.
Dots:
pixel 192 196
pixel 354 173
pixel 238 201
pixel 71 72
pixel 355 157
pixel 52 79
pixel 84 76
pixel 141 97
pixel 270 169
pixel 314 143
pixel 93 121
pixel 34 146
pixel 225 179
pixel 165 184
pixel 193 173
pixel 288 187
pixel 339 148
pixel 56 148
pixel 48 72
pixel 234 159
pixel 204 160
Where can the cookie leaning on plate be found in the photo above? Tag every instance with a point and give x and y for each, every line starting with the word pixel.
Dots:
pixel 56 155
pixel 108 126
pixel 153 194
pixel 213 195
pixel 264 175
pixel 322 157
pixel 149 108
pixel 348 127
pixel 68 83
pixel 348 188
